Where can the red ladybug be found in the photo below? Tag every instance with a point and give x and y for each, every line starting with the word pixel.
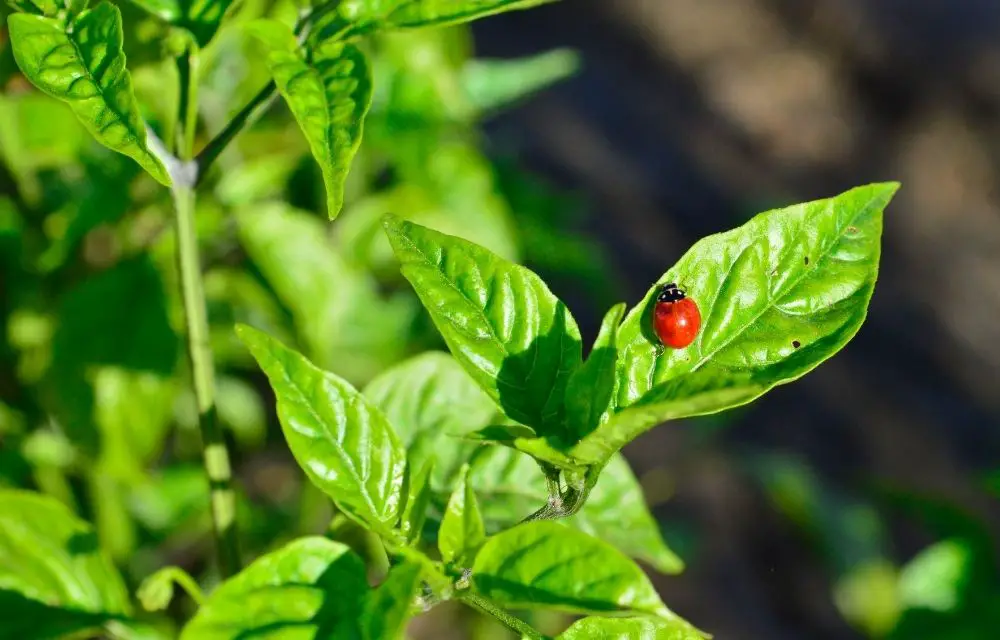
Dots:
pixel 675 317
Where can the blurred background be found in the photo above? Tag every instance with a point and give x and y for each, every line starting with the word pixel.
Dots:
pixel 593 141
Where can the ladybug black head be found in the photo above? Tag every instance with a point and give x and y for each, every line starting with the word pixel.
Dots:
pixel 670 292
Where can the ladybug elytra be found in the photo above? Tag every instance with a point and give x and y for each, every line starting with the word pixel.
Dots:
pixel 676 317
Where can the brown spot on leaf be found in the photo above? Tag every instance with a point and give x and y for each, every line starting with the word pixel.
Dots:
pixel 852 229
pixel 806 260
pixel 796 344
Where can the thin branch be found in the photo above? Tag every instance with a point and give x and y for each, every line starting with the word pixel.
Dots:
pixel 481 604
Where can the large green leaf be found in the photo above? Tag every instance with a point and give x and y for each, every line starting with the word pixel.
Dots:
pixel 340 317
pixel 389 607
pixel 54 579
pixel 430 401
pixel 590 389
pixel 639 628
pixel 343 443
pixel 778 296
pixel 462 530
pixel 201 17
pixel 511 486
pixel 515 338
pixel 329 90
pixel 83 65
pixel 313 587
pixel 544 564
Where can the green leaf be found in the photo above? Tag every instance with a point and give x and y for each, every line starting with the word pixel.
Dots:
pixel 503 325
pixel 342 321
pixel 590 389
pixel 938 577
pixel 342 442
pixel 544 564
pixel 691 394
pixel 418 497
pixel 85 67
pixel 429 400
pixel 49 8
pixel 200 17
pixel 616 512
pixel 389 607
pixel 462 530
pixel 157 590
pixel 313 587
pixel 494 84
pixel 778 296
pixel 510 486
pixel 54 579
pixel 640 628
pixel 329 91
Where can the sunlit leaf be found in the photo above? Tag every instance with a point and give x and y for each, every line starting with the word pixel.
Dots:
pixel 778 296
pixel 85 67
pixel 309 587
pixel 501 322
pixel 494 84
pixel 329 92
pixel 640 628
pixel 54 579
pixel 430 400
pixel 343 443
pixel 544 564
pixel 201 17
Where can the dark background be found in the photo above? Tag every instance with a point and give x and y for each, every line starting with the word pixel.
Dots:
pixel 687 117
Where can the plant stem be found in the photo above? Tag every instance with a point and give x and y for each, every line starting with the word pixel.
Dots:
pixel 214 453
pixel 515 624
pixel 247 116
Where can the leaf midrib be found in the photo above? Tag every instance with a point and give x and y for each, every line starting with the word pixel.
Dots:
pixel 362 486
pixel 133 136
pixel 794 282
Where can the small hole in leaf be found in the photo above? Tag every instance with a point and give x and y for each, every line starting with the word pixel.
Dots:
pixel 796 344
pixel 806 260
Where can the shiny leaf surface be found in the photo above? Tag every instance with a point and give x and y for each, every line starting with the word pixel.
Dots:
pixel 462 530
pixel 692 394
pixel 544 564
pixel 83 65
pixel 777 296
pixel 329 92
pixel 430 400
pixel 639 628
pixel 54 579
pixel 312 587
pixel 201 17
pixel 342 442
pixel 501 322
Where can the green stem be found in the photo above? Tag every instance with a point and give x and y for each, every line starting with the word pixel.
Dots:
pixel 214 453
pixel 516 625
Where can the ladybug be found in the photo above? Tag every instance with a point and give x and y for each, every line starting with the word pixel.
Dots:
pixel 675 317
